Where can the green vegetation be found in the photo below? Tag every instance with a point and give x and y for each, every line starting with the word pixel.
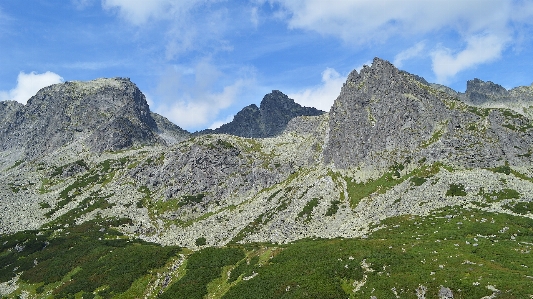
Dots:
pixel 505 169
pixel 436 135
pixel 92 202
pixel 191 199
pixel 245 268
pixel 88 259
pixel 102 174
pixel 483 112
pixel 464 250
pixel 522 208
pixel 308 209
pixel 505 193
pixel 17 163
pixel 358 191
pixel 202 267
pixel 200 241
pixel 418 181
pixel 333 208
pixel 59 170
pixel 44 205
pixel 456 190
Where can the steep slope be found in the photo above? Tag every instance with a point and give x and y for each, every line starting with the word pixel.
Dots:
pixel 269 120
pixel 401 191
pixel 103 115
pixel 168 131
pixel 384 116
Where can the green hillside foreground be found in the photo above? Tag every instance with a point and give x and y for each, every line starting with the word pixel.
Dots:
pixel 470 252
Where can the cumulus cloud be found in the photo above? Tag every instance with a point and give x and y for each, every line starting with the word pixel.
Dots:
pixel 407 54
pixel 139 12
pixel 219 123
pixel 28 85
pixel 479 49
pixel 323 95
pixel 475 23
pixel 192 99
pixel 188 25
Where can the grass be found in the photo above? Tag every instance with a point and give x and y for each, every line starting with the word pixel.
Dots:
pixel 522 208
pixel 459 249
pixel 202 267
pixel 463 250
pixel 17 163
pixel 333 208
pixel 434 138
pixel 87 259
pixel 500 195
pixel 191 199
pixel 456 190
pixel 391 178
pixel 308 209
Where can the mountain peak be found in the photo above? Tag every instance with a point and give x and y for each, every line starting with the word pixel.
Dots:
pixel 479 91
pixel 384 116
pixel 103 114
pixel 270 119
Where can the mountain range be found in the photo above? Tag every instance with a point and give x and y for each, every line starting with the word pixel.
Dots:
pixel 403 189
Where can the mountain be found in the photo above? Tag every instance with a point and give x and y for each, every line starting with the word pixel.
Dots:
pixel 103 115
pixel 403 189
pixel 269 120
pixel 383 116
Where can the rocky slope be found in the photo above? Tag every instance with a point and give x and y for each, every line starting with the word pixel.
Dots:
pixel 393 150
pixel 102 115
pixel 384 116
pixel 269 120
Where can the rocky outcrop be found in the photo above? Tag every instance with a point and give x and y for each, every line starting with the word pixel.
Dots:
pixel 479 92
pixel 268 120
pixel 168 131
pixel 384 116
pixel 103 114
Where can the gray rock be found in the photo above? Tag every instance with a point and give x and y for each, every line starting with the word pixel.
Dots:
pixel 479 92
pixel 384 116
pixel 104 114
pixel 168 131
pixel 445 293
pixel 269 120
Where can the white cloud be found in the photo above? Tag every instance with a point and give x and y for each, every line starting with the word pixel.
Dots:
pixel 407 54
pixel 479 49
pixel 219 123
pixel 323 95
pixel 28 85
pixel 254 16
pixel 371 20
pixel 475 23
pixel 360 67
pixel 193 99
pixel 188 25
pixel 139 12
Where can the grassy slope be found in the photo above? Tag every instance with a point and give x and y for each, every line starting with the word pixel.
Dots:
pixel 467 251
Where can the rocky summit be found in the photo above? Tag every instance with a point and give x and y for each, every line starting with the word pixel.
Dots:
pixel 404 189
pixel 269 120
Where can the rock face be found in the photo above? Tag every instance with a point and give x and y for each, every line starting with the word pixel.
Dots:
pixel 269 120
pixel 479 92
pixel 384 116
pixel 103 114
pixel 167 130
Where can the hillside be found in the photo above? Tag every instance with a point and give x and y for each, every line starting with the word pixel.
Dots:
pixel 404 189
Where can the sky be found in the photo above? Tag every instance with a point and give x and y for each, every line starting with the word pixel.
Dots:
pixel 201 61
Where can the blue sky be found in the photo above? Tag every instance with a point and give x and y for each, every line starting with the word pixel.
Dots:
pixel 201 61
